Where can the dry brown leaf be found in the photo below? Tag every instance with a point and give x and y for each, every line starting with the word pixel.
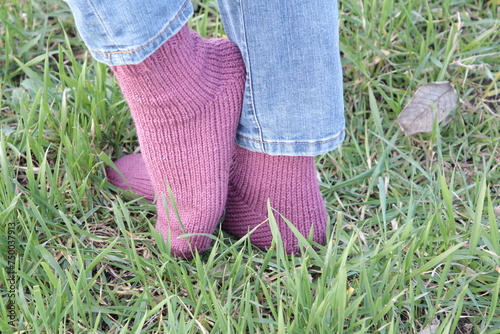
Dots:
pixel 433 100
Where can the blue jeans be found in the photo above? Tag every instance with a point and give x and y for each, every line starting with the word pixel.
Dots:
pixel 293 103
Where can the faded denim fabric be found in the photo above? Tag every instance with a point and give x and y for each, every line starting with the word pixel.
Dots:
pixel 293 103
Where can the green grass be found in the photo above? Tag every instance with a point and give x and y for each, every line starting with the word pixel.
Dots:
pixel 414 233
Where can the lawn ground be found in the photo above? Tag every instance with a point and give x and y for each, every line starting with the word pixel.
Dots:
pixel 413 243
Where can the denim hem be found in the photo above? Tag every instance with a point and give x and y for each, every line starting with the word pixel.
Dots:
pixel 292 148
pixel 137 55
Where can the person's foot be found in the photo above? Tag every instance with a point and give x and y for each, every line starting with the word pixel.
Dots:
pixel 185 100
pixel 291 186
pixel 290 183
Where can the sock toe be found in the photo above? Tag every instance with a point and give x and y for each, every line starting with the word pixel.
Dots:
pixel 134 176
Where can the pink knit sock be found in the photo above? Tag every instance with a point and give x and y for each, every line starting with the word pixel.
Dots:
pixel 185 100
pixel 134 176
pixel 289 182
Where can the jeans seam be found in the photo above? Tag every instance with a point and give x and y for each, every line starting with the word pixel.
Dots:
pixel 301 143
pixel 103 24
pixel 250 87
pixel 152 40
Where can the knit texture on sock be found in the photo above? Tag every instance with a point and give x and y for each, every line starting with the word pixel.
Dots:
pixel 132 176
pixel 290 183
pixel 291 186
pixel 185 100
